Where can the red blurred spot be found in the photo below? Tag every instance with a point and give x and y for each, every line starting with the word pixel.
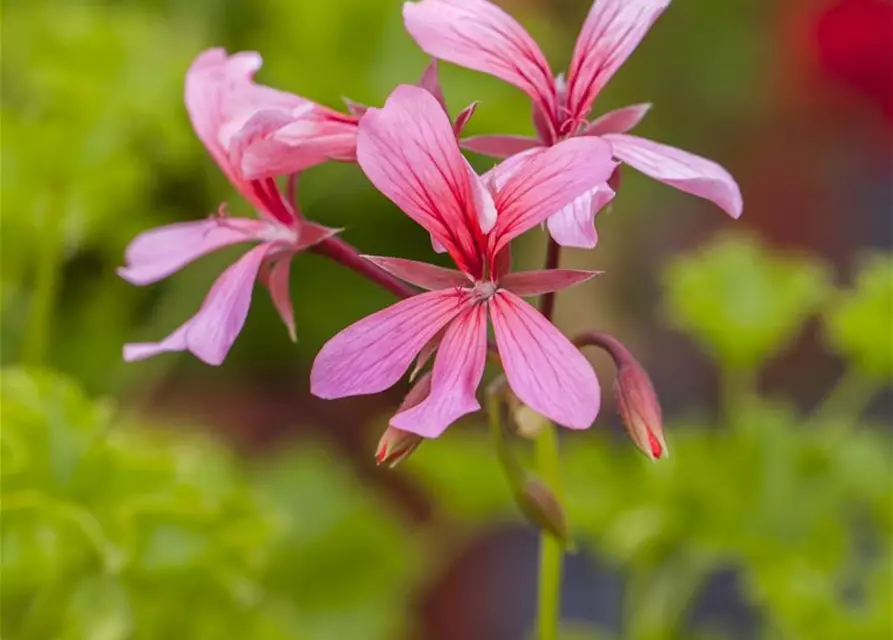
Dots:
pixel 656 449
pixel 854 45
pixel 382 453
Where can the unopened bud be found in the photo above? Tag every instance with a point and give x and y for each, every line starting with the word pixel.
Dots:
pixel 542 508
pixel 395 446
pixel 640 409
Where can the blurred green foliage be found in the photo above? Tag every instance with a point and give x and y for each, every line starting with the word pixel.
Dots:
pixel 114 530
pixel 858 321
pixel 741 303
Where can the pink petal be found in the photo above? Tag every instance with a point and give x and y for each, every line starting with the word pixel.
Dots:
pixel 574 226
pixel 499 146
pixel 430 82
pixel 155 254
pixel 309 234
pixel 611 32
pixel 355 108
pixel 421 274
pixel 481 36
pixel 210 333
pixel 176 341
pixel 425 354
pixel 483 200
pixel 543 368
pixel 280 293
pixel 221 96
pixel 496 177
pixel 547 182
pixel 534 283
pixel 408 151
pixel 371 355
pixel 463 118
pixel 458 368
pixel 274 143
pixel 618 120
pixel 685 171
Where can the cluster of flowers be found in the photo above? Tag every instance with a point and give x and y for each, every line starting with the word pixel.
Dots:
pixel 410 151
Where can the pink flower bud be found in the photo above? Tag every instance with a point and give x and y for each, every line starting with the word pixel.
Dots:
pixel 640 408
pixel 395 446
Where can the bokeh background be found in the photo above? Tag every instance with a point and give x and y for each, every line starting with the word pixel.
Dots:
pixel 170 499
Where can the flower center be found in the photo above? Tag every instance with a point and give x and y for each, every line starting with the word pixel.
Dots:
pixel 485 290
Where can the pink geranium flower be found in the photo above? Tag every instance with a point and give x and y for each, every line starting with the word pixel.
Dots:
pixel 481 36
pixel 409 152
pixel 250 130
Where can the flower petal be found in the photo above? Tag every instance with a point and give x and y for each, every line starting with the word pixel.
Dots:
pixel 221 96
pixel 274 143
pixel 155 254
pixel 280 293
pixel 421 274
pixel 543 368
pixel 371 355
pixel 685 171
pixel 547 182
pixel 430 82
pixel 425 354
pixel 534 283
pixel 463 117
pixel 481 36
pixel 458 368
pixel 619 120
pixel 499 146
pixel 210 333
pixel 574 225
pixel 610 34
pixel 409 152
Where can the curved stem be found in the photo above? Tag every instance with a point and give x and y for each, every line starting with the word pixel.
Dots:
pixel 603 341
pixel 344 253
pixel 553 256
pixel 513 470
pixel 548 465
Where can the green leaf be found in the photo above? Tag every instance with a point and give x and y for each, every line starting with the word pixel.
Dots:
pixel 858 321
pixel 741 301
pixel 99 609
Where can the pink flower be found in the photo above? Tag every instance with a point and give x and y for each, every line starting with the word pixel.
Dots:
pixel 409 152
pixel 232 117
pixel 481 36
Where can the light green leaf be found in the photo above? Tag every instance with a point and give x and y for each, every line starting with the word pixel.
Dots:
pixel 741 301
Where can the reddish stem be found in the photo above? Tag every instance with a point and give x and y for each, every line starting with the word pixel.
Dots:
pixel 612 345
pixel 547 301
pixel 342 252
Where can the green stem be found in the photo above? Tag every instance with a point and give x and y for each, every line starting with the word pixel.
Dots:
pixel 49 259
pixel 737 386
pixel 513 470
pixel 548 465
pixel 847 399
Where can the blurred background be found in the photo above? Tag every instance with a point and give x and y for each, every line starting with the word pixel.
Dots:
pixel 166 498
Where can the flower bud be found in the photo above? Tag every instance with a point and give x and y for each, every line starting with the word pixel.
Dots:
pixel 395 446
pixel 542 508
pixel 640 408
